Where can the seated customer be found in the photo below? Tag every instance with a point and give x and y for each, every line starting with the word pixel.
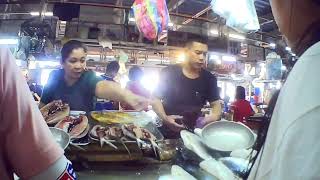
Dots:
pixel 134 85
pixel 241 107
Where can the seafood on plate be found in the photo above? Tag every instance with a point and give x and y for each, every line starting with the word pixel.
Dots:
pixel 109 134
pixel 99 133
pixel 140 135
pixel 55 111
pixel 122 133
pixel 76 127
pixel 116 133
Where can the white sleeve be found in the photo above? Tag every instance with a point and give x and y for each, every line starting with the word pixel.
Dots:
pixel 61 169
pixel 298 155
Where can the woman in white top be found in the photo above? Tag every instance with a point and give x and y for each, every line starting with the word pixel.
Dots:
pixel 292 146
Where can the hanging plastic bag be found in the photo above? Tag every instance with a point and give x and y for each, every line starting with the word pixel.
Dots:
pixel 240 14
pixel 151 16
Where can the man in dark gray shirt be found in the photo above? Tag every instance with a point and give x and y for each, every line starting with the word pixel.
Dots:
pixel 188 87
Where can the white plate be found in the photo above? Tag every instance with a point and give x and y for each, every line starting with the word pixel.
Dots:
pixel 77 113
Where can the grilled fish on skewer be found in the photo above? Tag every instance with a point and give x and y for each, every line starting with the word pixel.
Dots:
pixel 149 136
pixel 140 134
pixel 117 134
pixel 100 133
pixel 128 131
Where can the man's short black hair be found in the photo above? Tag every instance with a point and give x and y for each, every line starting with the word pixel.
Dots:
pixel 69 47
pixel 112 67
pixel 198 39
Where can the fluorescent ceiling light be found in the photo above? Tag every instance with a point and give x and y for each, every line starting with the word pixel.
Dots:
pixel 34 13
pixel 9 41
pixel 214 32
pixel 170 24
pixel 273 45
pixel 237 36
pixel 214 57
pixel 288 48
pixel 229 58
pixel 48 13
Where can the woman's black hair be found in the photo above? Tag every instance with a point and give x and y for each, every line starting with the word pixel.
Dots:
pixel 69 47
pixel 135 73
pixel 240 92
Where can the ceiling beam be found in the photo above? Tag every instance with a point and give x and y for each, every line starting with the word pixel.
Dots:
pixel 19 2
pixel 187 21
pixel 174 4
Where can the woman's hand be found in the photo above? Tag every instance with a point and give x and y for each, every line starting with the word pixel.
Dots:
pixel 113 91
pixel 137 102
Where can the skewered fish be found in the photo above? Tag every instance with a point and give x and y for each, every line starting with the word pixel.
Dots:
pixel 140 135
pixel 116 133
pixel 122 133
pixel 100 133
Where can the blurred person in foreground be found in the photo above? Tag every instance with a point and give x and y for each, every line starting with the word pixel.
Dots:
pixel 27 147
pixel 185 88
pixel 134 85
pixel 291 148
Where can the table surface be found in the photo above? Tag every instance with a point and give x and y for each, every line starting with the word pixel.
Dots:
pixel 145 168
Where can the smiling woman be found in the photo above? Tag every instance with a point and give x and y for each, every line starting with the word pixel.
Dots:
pixel 78 87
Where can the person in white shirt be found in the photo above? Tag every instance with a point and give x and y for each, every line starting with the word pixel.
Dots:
pixel 292 146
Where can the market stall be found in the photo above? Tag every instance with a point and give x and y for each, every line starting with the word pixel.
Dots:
pixel 151 35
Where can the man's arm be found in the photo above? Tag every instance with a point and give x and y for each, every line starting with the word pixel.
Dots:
pixel 157 107
pixel 214 99
pixel 216 110
pixel 168 120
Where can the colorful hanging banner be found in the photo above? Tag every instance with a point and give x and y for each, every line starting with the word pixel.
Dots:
pixel 151 16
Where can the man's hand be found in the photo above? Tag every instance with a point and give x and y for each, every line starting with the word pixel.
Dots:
pixel 170 121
